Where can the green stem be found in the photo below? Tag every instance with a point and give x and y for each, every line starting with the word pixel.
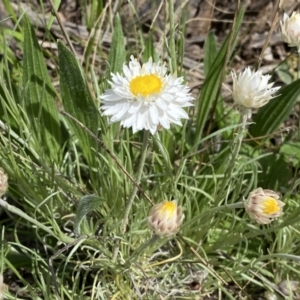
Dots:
pixel 244 111
pixel 213 211
pixel 135 189
pixel 224 207
pixel 138 179
pixel 157 141
pixel 139 251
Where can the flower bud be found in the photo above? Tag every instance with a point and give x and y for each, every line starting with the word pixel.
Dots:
pixel 165 218
pixel 251 89
pixel 263 206
pixel 3 182
pixel 290 29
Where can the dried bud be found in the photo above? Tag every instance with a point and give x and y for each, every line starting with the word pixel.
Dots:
pixel 263 206
pixel 3 182
pixel 165 218
pixel 290 29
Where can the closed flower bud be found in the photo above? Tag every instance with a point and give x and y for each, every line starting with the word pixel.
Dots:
pixel 165 218
pixel 3 182
pixel 251 89
pixel 263 206
pixel 290 29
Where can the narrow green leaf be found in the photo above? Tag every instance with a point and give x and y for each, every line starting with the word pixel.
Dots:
pixel 86 204
pixel 149 50
pixel 40 95
pixel 117 54
pixel 77 100
pixel 210 52
pixel 9 9
pixel 269 117
pixel 56 4
pixel 212 82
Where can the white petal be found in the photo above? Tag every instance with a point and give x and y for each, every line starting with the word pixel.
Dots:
pixel 134 107
pixel 110 95
pixel 153 114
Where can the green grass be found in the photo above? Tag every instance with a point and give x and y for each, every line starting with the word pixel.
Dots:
pixel 63 214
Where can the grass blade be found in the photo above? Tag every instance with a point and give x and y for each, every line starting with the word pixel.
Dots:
pixel 210 51
pixel 117 53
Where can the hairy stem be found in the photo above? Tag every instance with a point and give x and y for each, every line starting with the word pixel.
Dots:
pixel 237 142
pixel 135 189
pixel 140 250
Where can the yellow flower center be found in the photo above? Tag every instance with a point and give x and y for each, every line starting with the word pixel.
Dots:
pixel 168 208
pixel 270 206
pixel 145 85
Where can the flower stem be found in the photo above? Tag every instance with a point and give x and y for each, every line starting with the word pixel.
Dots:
pixel 237 142
pixel 138 179
pixel 224 207
pixel 135 189
pixel 139 251
pixel 214 210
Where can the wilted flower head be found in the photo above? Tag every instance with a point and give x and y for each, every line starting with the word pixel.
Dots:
pixel 263 206
pixel 146 97
pixel 3 182
pixel 251 89
pixel 290 29
pixel 165 218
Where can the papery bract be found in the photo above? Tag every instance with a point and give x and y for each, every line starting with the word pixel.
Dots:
pixel 251 89
pixel 290 29
pixel 263 206
pixel 165 218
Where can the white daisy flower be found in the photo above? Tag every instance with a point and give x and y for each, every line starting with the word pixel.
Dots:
pixel 146 97
pixel 290 29
pixel 251 89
